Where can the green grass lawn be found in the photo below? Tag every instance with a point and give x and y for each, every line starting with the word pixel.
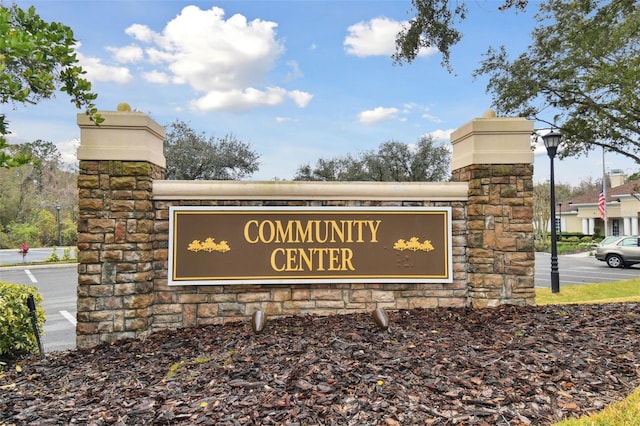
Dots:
pixel 611 292
pixel 626 412
pixel 623 413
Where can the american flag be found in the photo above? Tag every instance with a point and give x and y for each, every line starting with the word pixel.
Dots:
pixel 601 205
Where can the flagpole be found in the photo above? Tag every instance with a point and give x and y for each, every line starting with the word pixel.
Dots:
pixel 604 191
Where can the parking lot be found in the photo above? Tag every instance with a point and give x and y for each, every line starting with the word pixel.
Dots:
pixel 575 269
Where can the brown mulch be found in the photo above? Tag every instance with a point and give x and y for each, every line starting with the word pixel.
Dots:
pixel 501 366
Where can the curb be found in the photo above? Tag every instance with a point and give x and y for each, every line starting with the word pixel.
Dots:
pixel 37 266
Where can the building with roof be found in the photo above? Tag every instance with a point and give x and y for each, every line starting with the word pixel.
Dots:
pixel 621 205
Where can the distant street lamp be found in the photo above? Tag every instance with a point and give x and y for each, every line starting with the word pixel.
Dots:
pixel 560 221
pixel 551 142
pixel 58 207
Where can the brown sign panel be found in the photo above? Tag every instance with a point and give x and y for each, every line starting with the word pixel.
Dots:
pixel 243 245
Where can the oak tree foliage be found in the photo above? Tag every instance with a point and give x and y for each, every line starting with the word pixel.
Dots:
pixel 434 24
pixel 194 156
pixel 580 74
pixel 37 59
pixel 393 161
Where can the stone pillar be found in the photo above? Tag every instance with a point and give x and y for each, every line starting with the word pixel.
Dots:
pixel 494 156
pixel 118 162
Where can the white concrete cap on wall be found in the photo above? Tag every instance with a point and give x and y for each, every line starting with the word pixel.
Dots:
pixel 302 190
pixel 124 136
pixel 492 140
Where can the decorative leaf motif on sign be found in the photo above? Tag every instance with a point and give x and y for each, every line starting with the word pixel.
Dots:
pixel 413 244
pixel 209 245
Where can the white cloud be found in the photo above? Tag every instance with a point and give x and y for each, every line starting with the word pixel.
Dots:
pixel 431 118
pixel 373 38
pixel 377 114
pixel 227 60
pixel 68 150
pixel 441 134
pixel 239 100
pixel 295 70
pixel 410 107
pixel 140 32
pixel 127 54
pixel 97 71
pixel 157 56
pixel 285 119
pixel 376 37
pixel 156 76
pixel 301 99
pixel 213 54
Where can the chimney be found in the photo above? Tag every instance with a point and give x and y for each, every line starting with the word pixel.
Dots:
pixel 616 176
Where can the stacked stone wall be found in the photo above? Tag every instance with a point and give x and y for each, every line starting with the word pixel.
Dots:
pixel 500 245
pixel 178 306
pixel 123 233
pixel 115 249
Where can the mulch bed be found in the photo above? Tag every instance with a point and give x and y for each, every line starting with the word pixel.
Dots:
pixel 509 365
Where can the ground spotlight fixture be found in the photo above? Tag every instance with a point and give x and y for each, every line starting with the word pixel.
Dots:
pixel 258 321
pixel 380 318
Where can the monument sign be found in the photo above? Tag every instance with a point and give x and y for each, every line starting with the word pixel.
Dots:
pixel 262 245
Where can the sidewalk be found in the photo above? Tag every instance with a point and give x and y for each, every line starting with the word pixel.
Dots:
pixel 588 253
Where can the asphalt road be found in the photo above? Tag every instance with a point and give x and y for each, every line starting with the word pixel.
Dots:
pixel 57 283
pixel 13 257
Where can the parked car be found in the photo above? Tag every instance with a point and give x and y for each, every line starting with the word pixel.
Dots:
pixel 619 252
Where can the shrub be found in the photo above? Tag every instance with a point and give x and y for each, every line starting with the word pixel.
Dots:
pixel 21 232
pixel 17 338
pixel 541 245
pixel 66 254
pixel 53 257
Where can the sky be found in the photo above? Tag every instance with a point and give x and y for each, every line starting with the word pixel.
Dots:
pixel 298 80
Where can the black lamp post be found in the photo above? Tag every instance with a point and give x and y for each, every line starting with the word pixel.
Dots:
pixel 560 221
pixel 551 142
pixel 58 207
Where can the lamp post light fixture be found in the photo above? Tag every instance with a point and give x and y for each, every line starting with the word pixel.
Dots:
pixel 58 207
pixel 551 142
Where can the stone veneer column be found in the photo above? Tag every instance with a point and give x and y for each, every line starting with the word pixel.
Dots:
pixel 494 156
pixel 118 162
